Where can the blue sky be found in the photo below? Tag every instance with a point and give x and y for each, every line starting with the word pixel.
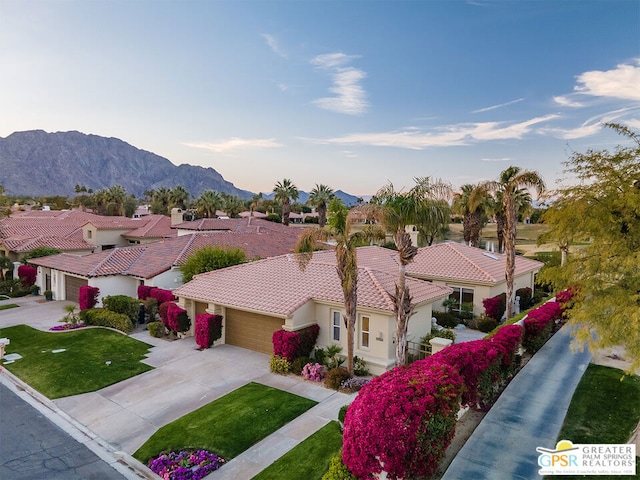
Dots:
pixel 351 94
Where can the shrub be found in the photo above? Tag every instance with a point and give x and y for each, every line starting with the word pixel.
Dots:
pixel 208 329
pixel 177 319
pixel 279 365
pixel 342 413
pixel 526 297
pixel 540 325
pixel 565 296
pixel 161 295
pixel 298 364
pixel 88 297
pixel 335 377
pixel 446 319
pixel 446 333
pixel 144 291
pixel 122 304
pixel 156 329
pixel 338 470
pixel 100 317
pixel 354 384
pixel 308 338
pixel 360 367
pixel 285 344
pixel 487 324
pixel 151 308
pixel 27 275
pixel 402 421
pixel 314 372
pixel 494 307
pixel 162 310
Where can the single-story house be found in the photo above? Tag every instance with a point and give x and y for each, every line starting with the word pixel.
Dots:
pixel 258 298
pixel 120 270
pixel 245 224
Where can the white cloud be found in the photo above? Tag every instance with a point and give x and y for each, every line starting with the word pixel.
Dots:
pixel 350 97
pixel 273 45
pixel 506 159
pixel 593 125
pixel 236 143
pixel 493 107
pixel 621 82
pixel 566 101
pixel 446 136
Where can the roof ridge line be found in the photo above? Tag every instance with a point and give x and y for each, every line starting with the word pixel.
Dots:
pixel 475 265
pixel 386 295
pixel 103 261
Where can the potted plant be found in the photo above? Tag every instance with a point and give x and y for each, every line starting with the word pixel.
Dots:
pixel 35 290
pixel 48 294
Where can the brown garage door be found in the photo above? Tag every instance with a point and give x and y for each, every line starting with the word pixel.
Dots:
pixel 251 330
pixel 71 286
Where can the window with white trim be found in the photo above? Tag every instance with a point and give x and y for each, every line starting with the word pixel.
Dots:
pixel 461 295
pixel 364 331
pixel 335 325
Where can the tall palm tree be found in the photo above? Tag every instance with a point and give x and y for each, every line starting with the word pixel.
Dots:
pixel 160 201
pixel 116 195
pixel 255 202
pixel 338 228
pixel 178 197
pixel 319 197
pixel 207 203
pixel 285 191
pixel 232 205
pixel 396 210
pixel 510 186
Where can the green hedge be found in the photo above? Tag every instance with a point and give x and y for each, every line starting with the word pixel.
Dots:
pixel 99 317
pixel 122 304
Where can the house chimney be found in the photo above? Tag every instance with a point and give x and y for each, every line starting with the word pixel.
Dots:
pixel 176 216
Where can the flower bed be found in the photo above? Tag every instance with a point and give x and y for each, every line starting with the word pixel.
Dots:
pixel 66 326
pixel 185 465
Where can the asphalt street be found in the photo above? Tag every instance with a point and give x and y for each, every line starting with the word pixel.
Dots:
pixel 34 448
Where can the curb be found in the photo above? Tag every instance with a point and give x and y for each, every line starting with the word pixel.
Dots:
pixel 122 462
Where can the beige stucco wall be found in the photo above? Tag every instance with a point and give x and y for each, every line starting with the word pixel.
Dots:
pixel 92 235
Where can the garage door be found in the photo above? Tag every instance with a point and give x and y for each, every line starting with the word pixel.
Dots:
pixel 71 286
pixel 251 330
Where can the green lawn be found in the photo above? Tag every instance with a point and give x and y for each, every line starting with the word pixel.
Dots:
pixel 603 409
pixel 309 460
pixel 229 425
pixel 10 305
pixel 90 359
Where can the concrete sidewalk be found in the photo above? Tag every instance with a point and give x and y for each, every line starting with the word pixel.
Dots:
pixel 528 414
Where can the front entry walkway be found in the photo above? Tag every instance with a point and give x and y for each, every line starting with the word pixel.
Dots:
pixel 528 414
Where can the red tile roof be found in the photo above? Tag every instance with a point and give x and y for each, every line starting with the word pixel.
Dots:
pixel 247 224
pixel 278 286
pixel 155 226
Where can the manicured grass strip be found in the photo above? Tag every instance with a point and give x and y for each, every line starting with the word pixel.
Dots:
pixel 229 425
pixel 8 306
pixel 93 358
pixel 309 460
pixel 603 410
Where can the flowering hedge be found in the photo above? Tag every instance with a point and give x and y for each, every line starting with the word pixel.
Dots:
pixel 566 296
pixel 292 345
pixel 176 319
pixel 494 307
pixel 144 292
pixel 540 324
pixel 402 421
pixel 185 465
pixel 161 295
pixel 88 297
pixel 208 329
pixel 27 275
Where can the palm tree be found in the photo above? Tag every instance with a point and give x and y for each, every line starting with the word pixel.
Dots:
pixel 285 191
pixel 160 201
pixel 510 187
pixel 338 228
pixel 178 197
pixel 255 202
pixel 396 210
pixel 115 197
pixel 319 197
pixel 232 205
pixel 472 203
pixel 207 203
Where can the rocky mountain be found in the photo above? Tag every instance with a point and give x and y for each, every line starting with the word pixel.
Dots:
pixel 37 163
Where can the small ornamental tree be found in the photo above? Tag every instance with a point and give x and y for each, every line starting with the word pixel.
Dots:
pixel 495 307
pixel 208 329
pixel 27 275
pixel 88 297
pixel 402 421
pixel 144 292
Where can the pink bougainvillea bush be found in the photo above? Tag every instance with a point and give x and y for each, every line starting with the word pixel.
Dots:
pixel 161 295
pixel 565 296
pixel 402 421
pixel 286 344
pixel 27 275
pixel 88 297
pixel 144 292
pixel 176 318
pixel 540 325
pixel 208 329
pixel 494 307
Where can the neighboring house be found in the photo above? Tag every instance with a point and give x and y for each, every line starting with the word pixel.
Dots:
pixel 110 232
pixel 258 298
pixel 119 271
pixel 473 274
pixel 246 225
